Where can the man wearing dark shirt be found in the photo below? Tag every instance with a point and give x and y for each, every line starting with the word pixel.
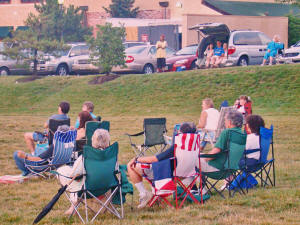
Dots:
pixel 31 137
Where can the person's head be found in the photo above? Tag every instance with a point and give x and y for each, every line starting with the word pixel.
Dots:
pixel 162 37
pixel 64 107
pixel 243 99
pixel 211 46
pixel 100 139
pixel 253 123
pixel 207 103
pixel 234 119
pixel 225 46
pixel 88 106
pixel 188 127
pixel 84 117
pixel 276 38
pixel 219 44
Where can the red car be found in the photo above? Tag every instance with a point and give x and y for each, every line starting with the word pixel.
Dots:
pixel 184 59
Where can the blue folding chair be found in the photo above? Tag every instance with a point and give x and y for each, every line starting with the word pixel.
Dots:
pixel 265 166
pixel 64 143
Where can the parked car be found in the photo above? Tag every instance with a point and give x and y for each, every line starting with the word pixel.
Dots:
pixel 12 66
pixel 290 55
pixel 82 64
pixel 184 59
pixel 245 47
pixel 141 59
pixel 62 63
pixel 129 44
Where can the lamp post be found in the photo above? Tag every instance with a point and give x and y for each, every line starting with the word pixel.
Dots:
pixel 61 4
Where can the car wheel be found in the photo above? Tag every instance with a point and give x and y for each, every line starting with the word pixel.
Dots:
pixel 243 61
pixel 148 69
pixel 62 70
pixel 4 71
pixel 193 66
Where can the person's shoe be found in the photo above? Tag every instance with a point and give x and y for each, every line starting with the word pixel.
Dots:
pixel 262 64
pixel 144 200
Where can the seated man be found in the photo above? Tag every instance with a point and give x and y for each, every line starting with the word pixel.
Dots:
pixel 218 55
pixel 19 156
pixel 208 120
pixel 233 121
pixel 135 170
pixel 31 137
pixel 88 107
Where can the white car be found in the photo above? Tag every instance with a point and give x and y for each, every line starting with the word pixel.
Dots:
pixel 291 55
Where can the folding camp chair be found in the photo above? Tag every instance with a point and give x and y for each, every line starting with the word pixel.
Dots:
pixel 233 153
pixel 101 175
pixel 90 128
pixel 53 125
pixel 264 167
pixel 186 174
pixel 154 130
pixel 64 143
pixel 205 134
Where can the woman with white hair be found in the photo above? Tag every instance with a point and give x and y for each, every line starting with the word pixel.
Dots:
pixel 272 50
pixel 100 140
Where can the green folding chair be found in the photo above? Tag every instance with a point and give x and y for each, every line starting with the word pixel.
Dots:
pixel 230 159
pixel 102 174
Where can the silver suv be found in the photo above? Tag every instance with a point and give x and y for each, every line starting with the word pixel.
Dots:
pixel 245 47
pixel 62 65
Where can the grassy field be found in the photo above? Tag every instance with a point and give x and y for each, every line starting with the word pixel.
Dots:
pixel 125 102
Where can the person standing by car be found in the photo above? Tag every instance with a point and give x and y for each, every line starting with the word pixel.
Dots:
pixel 272 50
pixel 161 53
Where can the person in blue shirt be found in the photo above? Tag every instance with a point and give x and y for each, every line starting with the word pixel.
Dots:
pixel 218 54
pixel 88 107
pixel 272 50
pixel 32 137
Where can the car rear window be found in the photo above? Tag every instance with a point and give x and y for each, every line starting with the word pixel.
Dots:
pixel 246 38
pixel 135 50
pixel 189 50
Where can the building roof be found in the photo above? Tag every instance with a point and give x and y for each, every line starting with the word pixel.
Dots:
pixel 252 8
pixel 5 32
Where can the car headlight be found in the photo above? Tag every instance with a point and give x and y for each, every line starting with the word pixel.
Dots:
pixel 183 61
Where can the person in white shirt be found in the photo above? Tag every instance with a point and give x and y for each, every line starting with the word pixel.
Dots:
pixel 161 54
pixel 253 124
pixel 208 120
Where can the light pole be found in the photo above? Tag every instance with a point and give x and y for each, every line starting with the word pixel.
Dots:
pixel 61 4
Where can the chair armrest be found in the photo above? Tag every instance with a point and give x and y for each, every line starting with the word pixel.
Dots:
pixel 134 135
pixel 246 152
pixel 211 155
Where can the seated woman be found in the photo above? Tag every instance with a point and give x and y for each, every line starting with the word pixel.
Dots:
pixel 209 52
pixel 253 124
pixel 208 120
pixel 135 171
pixel 83 117
pixel 245 105
pixel 100 140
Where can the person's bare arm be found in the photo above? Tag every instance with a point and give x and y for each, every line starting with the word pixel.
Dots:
pixel 31 158
pixel 213 151
pixel 46 125
pixel 202 120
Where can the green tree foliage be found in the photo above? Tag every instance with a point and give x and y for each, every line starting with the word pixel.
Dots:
pixel 294 29
pixel 61 23
pixel 122 9
pixel 107 49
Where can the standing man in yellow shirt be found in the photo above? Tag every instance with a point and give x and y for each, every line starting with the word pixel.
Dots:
pixel 161 53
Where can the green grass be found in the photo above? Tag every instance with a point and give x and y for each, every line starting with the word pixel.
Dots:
pixel 177 96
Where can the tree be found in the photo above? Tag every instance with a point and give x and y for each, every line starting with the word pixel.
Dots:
pixel 294 29
pixel 122 9
pixel 64 24
pixel 107 49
